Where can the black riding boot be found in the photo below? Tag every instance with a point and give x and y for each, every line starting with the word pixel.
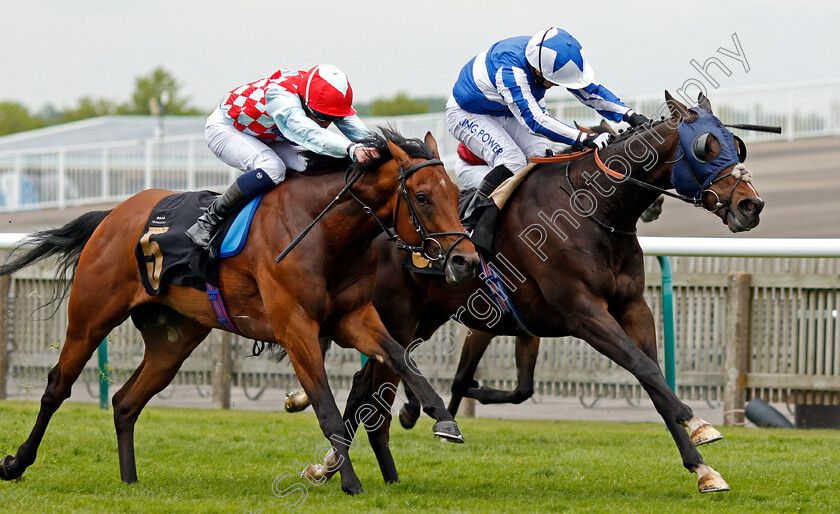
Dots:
pixel 482 200
pixel 248 186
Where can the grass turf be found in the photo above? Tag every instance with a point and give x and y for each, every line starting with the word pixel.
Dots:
pixel 193 460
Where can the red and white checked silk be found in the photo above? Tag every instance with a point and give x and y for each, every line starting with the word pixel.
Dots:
pixel 246 104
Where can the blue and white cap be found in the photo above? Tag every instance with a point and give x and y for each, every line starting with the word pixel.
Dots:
pixel 559 57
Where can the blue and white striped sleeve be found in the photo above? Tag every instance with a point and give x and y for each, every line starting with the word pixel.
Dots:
pixel 602 100
pixel 512 84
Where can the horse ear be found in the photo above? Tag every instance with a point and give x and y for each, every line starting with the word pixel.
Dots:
pixel 607 127
pixel 399 155
pixel 678 110
pixel 704 103
pixel 583 129
pixel 432 144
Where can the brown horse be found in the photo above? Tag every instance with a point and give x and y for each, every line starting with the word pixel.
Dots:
pixel 576 269
pixel 324 286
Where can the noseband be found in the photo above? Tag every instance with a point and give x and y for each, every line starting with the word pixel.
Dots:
pixel 429 247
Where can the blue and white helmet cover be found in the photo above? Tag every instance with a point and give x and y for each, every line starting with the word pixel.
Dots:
pixel 559 57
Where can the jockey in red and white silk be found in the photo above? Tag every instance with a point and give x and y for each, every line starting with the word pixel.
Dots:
pixel 260 128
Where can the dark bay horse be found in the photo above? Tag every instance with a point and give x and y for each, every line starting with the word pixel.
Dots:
pixel 324 286
pixel 576 268
pixel 526 349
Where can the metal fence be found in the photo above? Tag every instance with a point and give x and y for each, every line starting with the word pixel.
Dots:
pixel 79 175
pixel 791 353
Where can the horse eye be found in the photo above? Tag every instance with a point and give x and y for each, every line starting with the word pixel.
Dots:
pixel 422 198
pixel 700 146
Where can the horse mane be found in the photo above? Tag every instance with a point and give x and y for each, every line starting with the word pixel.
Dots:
pixel 412 146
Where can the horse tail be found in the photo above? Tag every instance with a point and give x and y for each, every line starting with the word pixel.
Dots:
pixel 65 244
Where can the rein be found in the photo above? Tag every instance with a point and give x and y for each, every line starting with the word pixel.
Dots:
pixel 390 234
pixel 425 235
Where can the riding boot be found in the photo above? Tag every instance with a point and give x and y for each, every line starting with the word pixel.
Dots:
pixel 247 186
pixel 482 200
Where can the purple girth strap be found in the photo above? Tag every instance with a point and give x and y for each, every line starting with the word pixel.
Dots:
pixel 219 309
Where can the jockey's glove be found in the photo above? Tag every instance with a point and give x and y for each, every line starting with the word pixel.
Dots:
pixel 598 141
pixel 635 119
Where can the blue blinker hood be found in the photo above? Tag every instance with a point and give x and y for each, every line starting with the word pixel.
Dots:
pixel 690 176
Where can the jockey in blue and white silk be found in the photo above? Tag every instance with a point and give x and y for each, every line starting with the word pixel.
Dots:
pixel 497 108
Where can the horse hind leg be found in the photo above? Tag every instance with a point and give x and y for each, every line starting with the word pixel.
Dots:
pixel 527 349
pixel 86 329
pixel 410 411
pixel 169 338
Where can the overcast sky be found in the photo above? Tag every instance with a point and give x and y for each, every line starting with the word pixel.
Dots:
pixel 58 51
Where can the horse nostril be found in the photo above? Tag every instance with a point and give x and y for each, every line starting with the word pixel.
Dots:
pixel 751 206
pixel 459 262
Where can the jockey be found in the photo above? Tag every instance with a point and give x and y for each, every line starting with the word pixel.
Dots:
pixel 260 128
pixel 497 111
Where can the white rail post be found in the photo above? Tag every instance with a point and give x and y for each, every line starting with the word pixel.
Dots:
pixel 106 187
pixel 15 201
pixel 147 171
pixel 191 165
pixel 62 179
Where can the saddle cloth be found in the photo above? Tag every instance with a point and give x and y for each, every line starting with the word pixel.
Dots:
pixel 164 253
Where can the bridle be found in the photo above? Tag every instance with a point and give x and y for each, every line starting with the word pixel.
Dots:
pixel 429 247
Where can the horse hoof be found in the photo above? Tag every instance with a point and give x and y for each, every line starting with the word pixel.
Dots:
pixel 407 419
pixel 4 469
pixel 296 402
pixel 712 483
pixel 705 434
pixel 315 473
pixel 448 431
pixel 353 491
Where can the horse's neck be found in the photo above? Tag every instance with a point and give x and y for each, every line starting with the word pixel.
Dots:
pixel 622 204
pixel 349 225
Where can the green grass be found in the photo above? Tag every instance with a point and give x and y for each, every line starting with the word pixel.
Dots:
pixel 192 460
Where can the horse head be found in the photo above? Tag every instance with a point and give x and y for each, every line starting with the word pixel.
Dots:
pixel 709 166
pixel 425 211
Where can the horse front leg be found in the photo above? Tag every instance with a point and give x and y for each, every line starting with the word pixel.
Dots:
pixel 363 329
pixel 527 349
pixel 637 322
pixel 297 401
pixel 301 344
pixel 369 402
pixel 603 332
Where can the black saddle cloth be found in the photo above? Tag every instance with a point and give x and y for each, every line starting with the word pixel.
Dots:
pixel 165 255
